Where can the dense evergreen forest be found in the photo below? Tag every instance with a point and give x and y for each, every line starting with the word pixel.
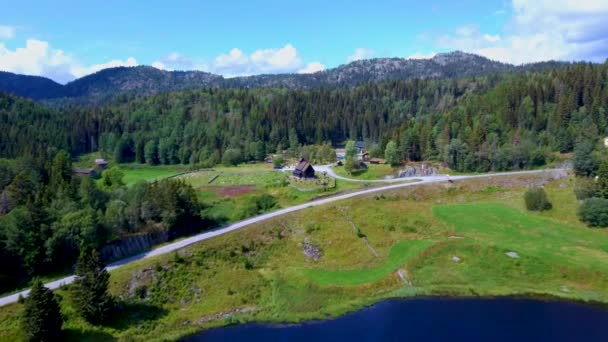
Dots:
pixel 47 214
pixel 501 122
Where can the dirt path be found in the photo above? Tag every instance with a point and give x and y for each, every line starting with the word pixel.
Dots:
pixel 358 232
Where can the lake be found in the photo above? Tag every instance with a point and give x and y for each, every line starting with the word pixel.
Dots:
pixel 437 319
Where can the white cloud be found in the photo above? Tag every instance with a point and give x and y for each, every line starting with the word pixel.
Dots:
pixel 237 62
pixel 7 32
pixel 540 30
pixel 311 68
pixel 177 61
pixel 264 61
pixel 419 55
pixel 159 65
pixel 38 58
pixel 361 53
pixel 79 70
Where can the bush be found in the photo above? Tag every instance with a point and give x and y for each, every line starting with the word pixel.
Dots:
pixel 278 162
pixel 536 199
pixel 594 212
pixel 231 157
pixel 257 205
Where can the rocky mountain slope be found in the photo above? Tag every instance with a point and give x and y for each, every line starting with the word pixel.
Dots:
pixel 112 83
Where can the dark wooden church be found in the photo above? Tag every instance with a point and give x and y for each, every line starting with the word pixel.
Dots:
pixel 304 169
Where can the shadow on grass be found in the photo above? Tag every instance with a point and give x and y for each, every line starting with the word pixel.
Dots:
pixel 359 172
pixel 87 335
pixel 128 314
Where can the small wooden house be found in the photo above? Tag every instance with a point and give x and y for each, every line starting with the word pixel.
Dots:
pixel 377 161
pixel 101 163
pixel 86 172
pixel 304 169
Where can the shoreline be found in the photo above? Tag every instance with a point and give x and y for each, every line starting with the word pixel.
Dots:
pixel 366 305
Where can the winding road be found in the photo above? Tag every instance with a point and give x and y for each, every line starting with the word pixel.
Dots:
pixel 242 224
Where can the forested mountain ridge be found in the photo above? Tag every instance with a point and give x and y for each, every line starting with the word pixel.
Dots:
pixel 113 83
pixel 499 122
pixel 33 87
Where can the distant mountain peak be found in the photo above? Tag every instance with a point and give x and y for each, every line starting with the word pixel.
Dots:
pixel 108 84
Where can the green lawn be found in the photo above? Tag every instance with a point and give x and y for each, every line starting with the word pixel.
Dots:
pixel 135 173
pixel 420 229
pixel 398 256
pixel 373 172
pixel 529 235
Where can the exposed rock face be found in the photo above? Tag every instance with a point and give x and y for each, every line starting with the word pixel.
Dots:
pixel 418 171
pixel 132 245
pixel 311 251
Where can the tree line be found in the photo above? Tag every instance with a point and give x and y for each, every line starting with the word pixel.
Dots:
pixel 48 215
pixel 500 122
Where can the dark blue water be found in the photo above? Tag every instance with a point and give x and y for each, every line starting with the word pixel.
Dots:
pixel 504 319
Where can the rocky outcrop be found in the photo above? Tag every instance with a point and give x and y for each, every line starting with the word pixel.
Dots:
pixel 132 245
pixel 310 250
pixel 418 171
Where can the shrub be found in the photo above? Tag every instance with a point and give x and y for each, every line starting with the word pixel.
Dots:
pixel 278 161
pixel 594 212
pixel 536 199
pixel 231 157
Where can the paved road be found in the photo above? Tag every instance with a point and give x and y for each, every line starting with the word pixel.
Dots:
pixel 330 171
pixel 238 225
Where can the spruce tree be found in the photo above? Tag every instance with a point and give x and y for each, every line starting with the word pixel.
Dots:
pixel 90 289
pixel 41 319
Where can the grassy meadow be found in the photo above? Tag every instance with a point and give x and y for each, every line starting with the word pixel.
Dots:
pixel 261 273
pixel 372 172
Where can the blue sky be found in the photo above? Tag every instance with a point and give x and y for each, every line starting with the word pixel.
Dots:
pixel 67 39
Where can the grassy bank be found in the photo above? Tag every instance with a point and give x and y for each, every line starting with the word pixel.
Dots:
pixel 263 273
pixel 372 172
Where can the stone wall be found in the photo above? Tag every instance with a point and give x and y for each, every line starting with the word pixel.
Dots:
pixel 132 245
pixel 418 171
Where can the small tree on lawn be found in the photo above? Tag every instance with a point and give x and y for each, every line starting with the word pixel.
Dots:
pixel 41 320
pixel 350 165
pixel 536 199
pixel 350 151
pixel 391 154
pixel 90 289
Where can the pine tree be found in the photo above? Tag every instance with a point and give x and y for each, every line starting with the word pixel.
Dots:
pixel 90 289
pixel 41 320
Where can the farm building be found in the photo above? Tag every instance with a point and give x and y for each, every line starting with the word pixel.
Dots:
pixel 101 163
pixel 304 169
pixel 86 172
pixel 340 153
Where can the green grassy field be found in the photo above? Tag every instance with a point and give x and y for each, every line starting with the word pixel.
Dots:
pixel 260 178
pixel 397 257
pixel 136 172
pixel 373 171
pixel 263 270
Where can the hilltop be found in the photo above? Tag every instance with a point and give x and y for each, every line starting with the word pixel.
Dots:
pixel 113 83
